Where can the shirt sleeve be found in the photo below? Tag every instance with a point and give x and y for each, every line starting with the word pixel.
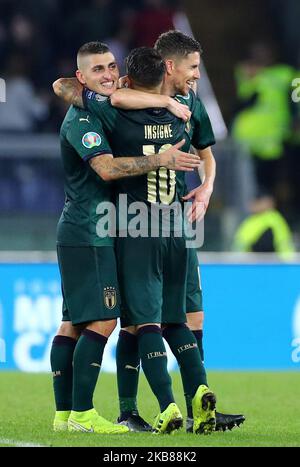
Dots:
pixel 203 135
pixel 87 137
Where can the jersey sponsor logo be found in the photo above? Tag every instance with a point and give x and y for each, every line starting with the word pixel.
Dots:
pixel 87 119
pixel 110 297
pixel 91 140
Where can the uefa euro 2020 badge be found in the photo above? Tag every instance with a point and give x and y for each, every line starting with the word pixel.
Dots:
pixel 91 140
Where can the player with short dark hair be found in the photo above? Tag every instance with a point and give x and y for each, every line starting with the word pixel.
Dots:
pixel 182 73
pixel 181 54
pixel 154 289
pixel 87 262
pixel 176 44
pixel 146 67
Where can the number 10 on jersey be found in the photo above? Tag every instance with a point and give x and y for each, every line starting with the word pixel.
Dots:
pixel 161 182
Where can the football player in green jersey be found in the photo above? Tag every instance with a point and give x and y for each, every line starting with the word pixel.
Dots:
pixel 87 262
pixel 154 289
pixel 182 56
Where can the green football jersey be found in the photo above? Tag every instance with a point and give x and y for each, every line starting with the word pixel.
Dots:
pixel 80 141
pixel 141 133
pixel 198 132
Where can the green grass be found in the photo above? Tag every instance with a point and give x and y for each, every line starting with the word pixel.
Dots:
pixel 270 402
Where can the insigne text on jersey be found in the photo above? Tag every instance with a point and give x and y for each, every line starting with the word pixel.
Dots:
pixel 158 131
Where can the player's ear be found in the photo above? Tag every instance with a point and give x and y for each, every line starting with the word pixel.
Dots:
pixel 80 77
pixel 129 82
pixel 169 66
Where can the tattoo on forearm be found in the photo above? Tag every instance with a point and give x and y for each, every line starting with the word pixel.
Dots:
pixel 71 91
pixel 127 167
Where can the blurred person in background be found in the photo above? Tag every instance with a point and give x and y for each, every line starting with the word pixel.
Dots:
pixel 262 125
pixel 154 18
pixel 93 22
pixel 265 230
pixel 23 109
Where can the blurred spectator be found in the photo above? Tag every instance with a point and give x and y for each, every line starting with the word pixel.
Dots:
pixel 156 17
pixel 263 123
pixel 23 109
pixel 91 23
pixel 265 230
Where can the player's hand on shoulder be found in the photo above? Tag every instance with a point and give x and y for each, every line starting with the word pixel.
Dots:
pixel 179 110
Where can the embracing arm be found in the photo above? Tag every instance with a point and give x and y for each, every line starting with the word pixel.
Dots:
pixel 131 99
pixel 110 168
pixel 201 195
pixel 70 90
pixel 208 167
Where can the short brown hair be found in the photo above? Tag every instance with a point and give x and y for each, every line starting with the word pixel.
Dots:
pixel 176 44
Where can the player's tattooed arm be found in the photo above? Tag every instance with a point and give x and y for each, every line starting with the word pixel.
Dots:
pixel 70 90
pixel 110 168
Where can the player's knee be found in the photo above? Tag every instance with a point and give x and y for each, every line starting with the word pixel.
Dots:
pixel 129 329
pixel 67 329
pixel 149 327
pixel 105 328
pixel 195 320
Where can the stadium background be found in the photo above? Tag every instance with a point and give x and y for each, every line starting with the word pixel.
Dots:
pixel 252 301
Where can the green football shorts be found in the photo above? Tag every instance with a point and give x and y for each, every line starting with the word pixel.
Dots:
pixel 89 283
pixel 152 279
pixel 193 284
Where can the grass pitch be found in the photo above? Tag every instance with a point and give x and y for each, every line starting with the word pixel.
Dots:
pixel 270 402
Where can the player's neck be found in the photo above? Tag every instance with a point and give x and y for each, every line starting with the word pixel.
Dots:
pixel 168 89
pixel 154 90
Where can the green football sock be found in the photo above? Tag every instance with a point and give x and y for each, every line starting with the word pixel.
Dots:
pixel 153 355
pixel 61 357
pixel 199 338
pixel 183 344
pixel 128 365
pixel 86 366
